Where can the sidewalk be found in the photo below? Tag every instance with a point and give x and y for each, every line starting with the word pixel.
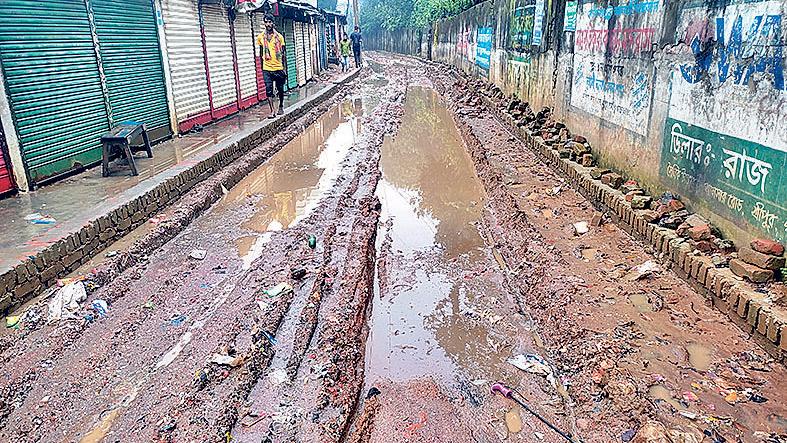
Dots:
pixel 33 255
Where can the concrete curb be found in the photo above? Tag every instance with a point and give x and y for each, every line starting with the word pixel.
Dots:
pixel 752 311
pixel 41 271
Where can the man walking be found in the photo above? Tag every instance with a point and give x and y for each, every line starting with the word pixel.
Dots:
pixel 274 61
pixel 356 39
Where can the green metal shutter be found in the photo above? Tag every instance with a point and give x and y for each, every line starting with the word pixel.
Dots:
pixel 289 47
pixel 131 60
pixel 53 84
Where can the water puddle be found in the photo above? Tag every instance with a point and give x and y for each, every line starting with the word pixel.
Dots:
pixel 433 306
pixel 699 356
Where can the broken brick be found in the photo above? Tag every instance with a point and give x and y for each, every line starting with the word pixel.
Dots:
pixel 641 202
pixel 750 272
pixel 701 232
pixel 597 173
pixel 587 160
pixel 612 179
pixel 761 260
pixel 766 246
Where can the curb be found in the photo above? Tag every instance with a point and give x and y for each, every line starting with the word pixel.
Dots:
pixel 750 310
pixel 41 271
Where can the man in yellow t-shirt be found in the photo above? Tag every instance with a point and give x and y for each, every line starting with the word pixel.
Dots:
pixel 274 61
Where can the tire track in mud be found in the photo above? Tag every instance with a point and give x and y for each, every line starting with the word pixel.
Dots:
pixel 117 277
pixel 329 328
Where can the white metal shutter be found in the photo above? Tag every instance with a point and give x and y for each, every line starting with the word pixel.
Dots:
pixel 300 54
pixel 313 40
pixel 186 60
pixel 244 45
pixel 218 43
pixel 307 48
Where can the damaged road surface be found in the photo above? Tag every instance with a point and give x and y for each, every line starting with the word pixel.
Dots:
pixel 398 254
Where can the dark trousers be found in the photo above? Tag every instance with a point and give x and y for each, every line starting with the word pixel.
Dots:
pixel 279 78
pixel 357 54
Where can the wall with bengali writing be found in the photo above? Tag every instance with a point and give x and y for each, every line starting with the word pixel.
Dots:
pixel 686 96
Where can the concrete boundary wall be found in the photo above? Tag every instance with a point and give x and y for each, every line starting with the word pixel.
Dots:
pixel 683 96
pixel 41 271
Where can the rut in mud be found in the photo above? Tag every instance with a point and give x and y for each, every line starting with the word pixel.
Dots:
pixel 443 250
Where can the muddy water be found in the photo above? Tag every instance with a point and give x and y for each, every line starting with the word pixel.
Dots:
pixel 430 287
pixel 275 196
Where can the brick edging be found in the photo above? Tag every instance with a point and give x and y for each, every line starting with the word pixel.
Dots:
pixel 748 309
pixel 39 272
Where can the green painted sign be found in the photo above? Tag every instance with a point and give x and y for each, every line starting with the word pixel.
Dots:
pixel 570 22
pixel 735 177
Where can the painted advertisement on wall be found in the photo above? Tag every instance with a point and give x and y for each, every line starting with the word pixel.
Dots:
pixel 520 30
pixel 483 56
pixel 613 73
pixel 726 133
pixel 538 23
pixel 570 19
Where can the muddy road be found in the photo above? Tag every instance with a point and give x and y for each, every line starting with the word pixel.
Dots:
pixel 398 254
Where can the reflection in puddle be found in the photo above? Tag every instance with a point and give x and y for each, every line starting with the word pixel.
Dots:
pixel 430 319
pixel 699 356
pixel 289 186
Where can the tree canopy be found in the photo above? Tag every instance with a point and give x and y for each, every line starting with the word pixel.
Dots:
pixel 390 15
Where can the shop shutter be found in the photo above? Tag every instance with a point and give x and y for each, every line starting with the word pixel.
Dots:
pixel 292 66
pixel 300 54
pixel 307 49
pixel 53 84
pixel 131 60
pixel 322 29
pixel 186 62
pixel 244 46
pixel 256 25
pixel 6 181
pixel 221 68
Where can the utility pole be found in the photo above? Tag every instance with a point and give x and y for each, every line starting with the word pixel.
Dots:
pixel 355 11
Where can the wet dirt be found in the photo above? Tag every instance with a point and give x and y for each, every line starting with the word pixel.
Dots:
pixel 443 249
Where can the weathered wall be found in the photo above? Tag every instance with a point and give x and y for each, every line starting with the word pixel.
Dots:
pixel 405 41
pixel 687 96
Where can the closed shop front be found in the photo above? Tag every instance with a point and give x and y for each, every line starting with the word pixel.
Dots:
pixel 307 51
pixel 221 67
pixel 53 84
pixel 300 53
pixel 245 53
pixel 292 69
pixel 6 180
pixel 131 61
pixel 186 63
pixel 257 28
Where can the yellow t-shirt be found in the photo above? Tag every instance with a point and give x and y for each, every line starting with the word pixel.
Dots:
pixel 271 51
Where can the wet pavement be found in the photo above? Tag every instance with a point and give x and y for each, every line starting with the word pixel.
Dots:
pixel 443 261
pixel 75 200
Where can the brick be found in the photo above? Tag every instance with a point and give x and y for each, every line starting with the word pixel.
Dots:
pixel 696 262
pixel 6 301
pixel 750 272
pixel 701 232
pixel 764 317
pixel 775 329
pixel 23 290
pixel 124 224
pixel 767 246
pixel 710 278
pixel 761 260
pixel 743 303
pixel 107 234
pixel 52 272
pixel 702 271
pixel 753 313
pixel 22 274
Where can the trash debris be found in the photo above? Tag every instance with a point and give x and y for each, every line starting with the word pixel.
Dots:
pixel 148 305
pixel 224 189
pixel 690 397
pixel 280 289
pixel 644 270
pixel 480 382
pixel 373 392
pixel 12 322
pixel 38 219
pixel 627 436
pixel 581 228
pixel 101 307
pixel 534 364
pixel 731 397
pixel 513 422
pixel 278 377
pixel 312 241
pixel 177 320
pixel 227 360
pixel 269 337
pixel 198 254
pixel 298 274
pixel 65 302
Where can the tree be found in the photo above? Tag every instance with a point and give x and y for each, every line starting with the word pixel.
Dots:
pixel 328 5
pixel 390 15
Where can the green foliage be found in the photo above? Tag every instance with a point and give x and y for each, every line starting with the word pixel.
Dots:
pixel 391 15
